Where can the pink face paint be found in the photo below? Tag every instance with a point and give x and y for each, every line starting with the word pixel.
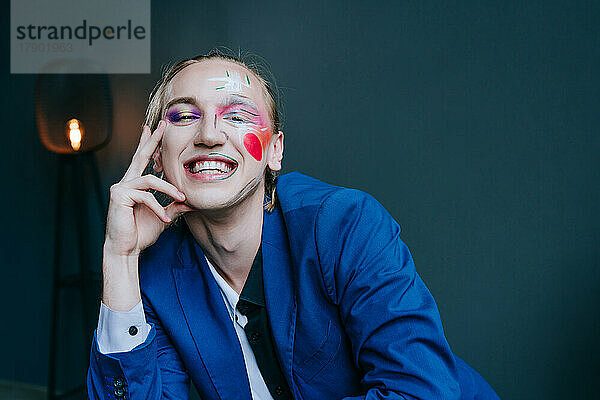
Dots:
pixel 253 145
pixel 241 114
pixel 261 137
pixel 255 134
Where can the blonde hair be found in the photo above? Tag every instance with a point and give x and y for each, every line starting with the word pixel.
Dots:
pixel 252 63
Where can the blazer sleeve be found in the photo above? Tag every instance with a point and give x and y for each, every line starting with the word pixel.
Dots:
pixel 152 370
pixel 389 315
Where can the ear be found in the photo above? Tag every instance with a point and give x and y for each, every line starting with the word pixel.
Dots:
pixel 276 153
pixel 156 156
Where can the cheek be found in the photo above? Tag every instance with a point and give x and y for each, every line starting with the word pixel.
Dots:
pixel 256 141
pixel 253 145
pixel 171 146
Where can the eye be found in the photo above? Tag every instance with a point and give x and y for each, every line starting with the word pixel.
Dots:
pixel 237 118
pixel 182 117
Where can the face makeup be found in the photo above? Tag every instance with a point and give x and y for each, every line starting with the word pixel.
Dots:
pixel 239 117
pixel 233 81
pixel 211 167
pixel 215 148
pixel 249 125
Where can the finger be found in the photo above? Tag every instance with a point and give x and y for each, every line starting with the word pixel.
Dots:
pixel 151 145
pixel 176 209
pixel 142 156
pixel 143 137
pixel 146 182
pixel 139 197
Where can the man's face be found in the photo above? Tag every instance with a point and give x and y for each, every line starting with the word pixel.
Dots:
pixel 218 138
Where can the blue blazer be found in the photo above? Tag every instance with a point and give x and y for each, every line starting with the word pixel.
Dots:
pixel 351 318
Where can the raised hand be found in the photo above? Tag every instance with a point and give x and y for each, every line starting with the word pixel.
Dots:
pixel 135 217
pixel 135 221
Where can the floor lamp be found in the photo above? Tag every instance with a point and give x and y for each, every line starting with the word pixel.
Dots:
pixel 74 120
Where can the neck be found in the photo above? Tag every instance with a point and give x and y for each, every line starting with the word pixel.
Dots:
pixel 230 238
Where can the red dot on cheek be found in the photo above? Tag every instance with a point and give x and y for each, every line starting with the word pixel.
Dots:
pixel 252 144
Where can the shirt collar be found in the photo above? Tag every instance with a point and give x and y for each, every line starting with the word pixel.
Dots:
pixel 230 295
pixel 252 292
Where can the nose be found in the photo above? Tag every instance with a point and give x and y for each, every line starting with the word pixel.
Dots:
pixel 209 133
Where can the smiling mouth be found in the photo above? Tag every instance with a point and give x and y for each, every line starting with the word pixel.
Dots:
pixel 211 167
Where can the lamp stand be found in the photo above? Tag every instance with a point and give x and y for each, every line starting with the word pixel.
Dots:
pixel 74 167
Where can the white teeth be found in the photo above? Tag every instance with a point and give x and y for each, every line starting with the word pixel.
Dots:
pixel 210 167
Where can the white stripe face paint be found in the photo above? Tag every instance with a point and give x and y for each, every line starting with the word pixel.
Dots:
pixel 233 82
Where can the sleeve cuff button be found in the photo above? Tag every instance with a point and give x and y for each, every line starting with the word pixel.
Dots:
pixel 133 330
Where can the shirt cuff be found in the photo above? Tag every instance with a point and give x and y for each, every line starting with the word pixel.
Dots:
pixel 120 331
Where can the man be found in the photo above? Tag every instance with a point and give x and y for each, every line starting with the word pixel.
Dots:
pixel 310 296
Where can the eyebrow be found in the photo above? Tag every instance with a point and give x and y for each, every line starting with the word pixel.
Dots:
pixel 181 100
pixel 231 100
pixel 237 99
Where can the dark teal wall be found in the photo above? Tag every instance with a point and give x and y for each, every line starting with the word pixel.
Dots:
pixel 475 125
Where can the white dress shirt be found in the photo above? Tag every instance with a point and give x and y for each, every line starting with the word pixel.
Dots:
pixel 113 333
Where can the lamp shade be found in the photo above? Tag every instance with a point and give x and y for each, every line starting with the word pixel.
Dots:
pixel 73 111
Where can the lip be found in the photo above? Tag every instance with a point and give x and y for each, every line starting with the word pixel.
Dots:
pixel 210 157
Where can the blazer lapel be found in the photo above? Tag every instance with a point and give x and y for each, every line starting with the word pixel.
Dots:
pixel 279 288
pixel 209 322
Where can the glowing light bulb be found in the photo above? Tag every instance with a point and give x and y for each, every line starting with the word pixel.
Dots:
pixel 75 133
